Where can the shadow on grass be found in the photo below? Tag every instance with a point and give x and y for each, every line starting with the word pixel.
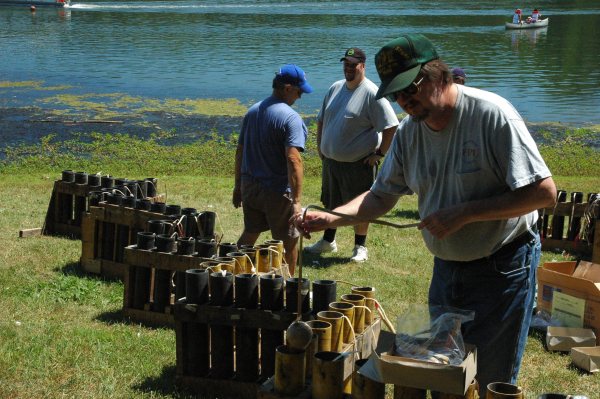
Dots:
pixel 116 317
pixel 405 214
pixel 74 269
pixel 309 258
pixel 164 385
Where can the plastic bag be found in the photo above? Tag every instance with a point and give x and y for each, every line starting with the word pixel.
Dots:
pixel 542 320
pixel 432 333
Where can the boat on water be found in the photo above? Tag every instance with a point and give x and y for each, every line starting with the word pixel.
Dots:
pixel 527 25
pixel 35 3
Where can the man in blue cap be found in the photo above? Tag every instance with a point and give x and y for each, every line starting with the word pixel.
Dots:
pixel 458 75
pixel 480 180
pixel 268 166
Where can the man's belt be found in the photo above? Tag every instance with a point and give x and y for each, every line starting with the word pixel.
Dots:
pixel 517 243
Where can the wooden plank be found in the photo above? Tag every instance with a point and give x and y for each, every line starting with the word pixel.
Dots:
pixel 129 286
pixel 368 338
pixel 80 190
pixel 161 260
pixel 149 318
pixel 565 208
pixel 180 338
pixel 65 229
pixel 97 212
pixel 230 316
pixel 88 227
pixel 549 244
pixel 133 218
pixel 48 227
pixel 218 388
pixel 113 270
pixel 30 232
pixel 91 265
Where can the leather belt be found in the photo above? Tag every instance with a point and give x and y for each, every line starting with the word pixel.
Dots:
pixel 518 242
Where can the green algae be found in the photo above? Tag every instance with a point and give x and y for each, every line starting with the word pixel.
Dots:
pixel 34 85
pixel 107 106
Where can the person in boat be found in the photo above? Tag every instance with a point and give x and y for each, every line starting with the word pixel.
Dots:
pixel 536 16
pixel 517 17
pixel 480 180
pixel 268 166
pixel 458 76
pixel 354 132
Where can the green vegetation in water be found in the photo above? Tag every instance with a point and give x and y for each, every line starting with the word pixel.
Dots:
pixel 33 84
pixel 572 152
pixel 118 105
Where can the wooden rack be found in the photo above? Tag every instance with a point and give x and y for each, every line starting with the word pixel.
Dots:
pixel 559 227
pixel 135 261
pixel 186 314
pixel 106 231
pixel 67 203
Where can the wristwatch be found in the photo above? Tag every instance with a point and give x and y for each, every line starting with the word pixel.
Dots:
pixel 379 153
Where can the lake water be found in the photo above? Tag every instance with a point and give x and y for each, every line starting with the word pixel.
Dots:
pixel 217 49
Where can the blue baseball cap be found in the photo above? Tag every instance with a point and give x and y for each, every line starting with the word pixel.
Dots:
pixel 294 75
pixel 459 72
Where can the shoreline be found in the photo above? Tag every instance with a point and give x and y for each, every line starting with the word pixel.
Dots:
pixel 27 125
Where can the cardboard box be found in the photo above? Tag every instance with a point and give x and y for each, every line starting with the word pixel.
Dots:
pixel 561 277
pixel 383 366
pixel 564 338
pixel 586 358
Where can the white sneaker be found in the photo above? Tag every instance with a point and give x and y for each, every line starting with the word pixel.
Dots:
pixel 323 246
pixel 360 254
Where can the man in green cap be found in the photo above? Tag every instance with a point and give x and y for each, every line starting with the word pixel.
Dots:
pixel 480 180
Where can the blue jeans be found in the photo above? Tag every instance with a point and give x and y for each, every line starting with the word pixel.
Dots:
pixel 500 289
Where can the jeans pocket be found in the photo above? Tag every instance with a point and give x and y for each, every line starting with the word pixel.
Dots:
pixel 513 264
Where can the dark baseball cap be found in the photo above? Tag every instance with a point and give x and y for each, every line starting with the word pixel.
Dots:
pixel 294 75
pixel 459 72
pixel 398 62
pixel 354 55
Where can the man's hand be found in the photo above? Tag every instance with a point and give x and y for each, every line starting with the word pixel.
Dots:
pixel 314 221
pixel 237 197
pixel 372 159
pixel 444 222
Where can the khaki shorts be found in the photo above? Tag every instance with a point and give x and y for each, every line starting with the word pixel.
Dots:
pixel 267 210
pixel 344 181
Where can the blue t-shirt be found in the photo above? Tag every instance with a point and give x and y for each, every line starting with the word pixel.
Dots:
pixel 269 127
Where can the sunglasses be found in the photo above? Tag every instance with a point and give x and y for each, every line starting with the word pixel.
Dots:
pixel 411 90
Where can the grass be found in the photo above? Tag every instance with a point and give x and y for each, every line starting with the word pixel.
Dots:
pixel 61 330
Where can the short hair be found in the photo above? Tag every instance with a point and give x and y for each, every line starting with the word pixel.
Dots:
pixel 278 85
pixel 436 68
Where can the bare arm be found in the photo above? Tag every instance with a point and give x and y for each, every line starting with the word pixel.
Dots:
pixel 386 141
pixel 237 189
pixel 367 205
pixel 295 176
pixel 319 135
pixel 511 204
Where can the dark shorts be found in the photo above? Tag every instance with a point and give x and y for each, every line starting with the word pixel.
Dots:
pixel 344 181
pixel 267 210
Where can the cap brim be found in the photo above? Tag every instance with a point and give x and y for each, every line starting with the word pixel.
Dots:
pixel 306 88
pixel 398 82
pixel 352 60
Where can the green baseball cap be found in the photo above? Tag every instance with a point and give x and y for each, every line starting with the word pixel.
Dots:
pixel 398 62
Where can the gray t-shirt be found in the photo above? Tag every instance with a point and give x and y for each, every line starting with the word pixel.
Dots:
pixel 484 151
pixel 352 119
